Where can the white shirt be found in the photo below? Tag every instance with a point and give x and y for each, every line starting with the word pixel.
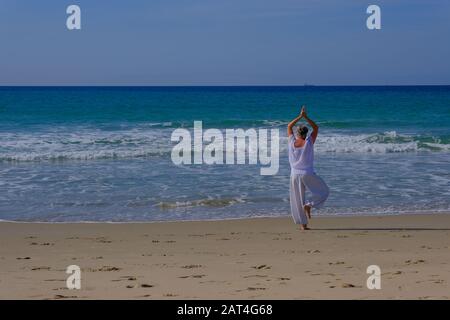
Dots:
pixel 301 159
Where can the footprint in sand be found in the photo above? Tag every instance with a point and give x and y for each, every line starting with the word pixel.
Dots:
pixel 104 269
pixel 262 267
pixel 336 263
pixel 350 285
pixel 415 261
pixel 213 281
pixel 255 276
pixel 40 268
pixel 102 240
pixel 201 235
pixel 256 288
pixel 60 288
pixel 192 266
pixel 41 244
pixel 196 276
pixel 51 280
pixel 126 278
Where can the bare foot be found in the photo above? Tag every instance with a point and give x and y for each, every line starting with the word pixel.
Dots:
pixel 307 209
pixel 304 227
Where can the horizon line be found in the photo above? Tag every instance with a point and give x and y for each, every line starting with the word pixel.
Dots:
pixel 209 85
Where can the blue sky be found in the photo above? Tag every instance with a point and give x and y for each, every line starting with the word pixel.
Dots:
pixel 224 42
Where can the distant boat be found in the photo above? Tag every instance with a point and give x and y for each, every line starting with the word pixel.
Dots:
pixel 308 85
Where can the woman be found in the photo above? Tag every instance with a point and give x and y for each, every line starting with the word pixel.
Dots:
pixel 301 158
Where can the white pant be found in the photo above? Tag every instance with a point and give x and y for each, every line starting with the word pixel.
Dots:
pixel 315 185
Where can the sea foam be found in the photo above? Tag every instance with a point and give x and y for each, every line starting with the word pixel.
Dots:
pixel 61 144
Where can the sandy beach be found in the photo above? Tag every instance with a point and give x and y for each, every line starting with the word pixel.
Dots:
pixel 263 258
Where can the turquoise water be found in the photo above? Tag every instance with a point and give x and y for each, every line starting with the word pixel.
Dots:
pixel 103 154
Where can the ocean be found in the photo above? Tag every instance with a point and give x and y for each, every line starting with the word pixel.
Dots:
pixel 104 153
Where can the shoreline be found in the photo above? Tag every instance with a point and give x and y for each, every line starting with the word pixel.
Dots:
pixel 337 216
pixel 263 258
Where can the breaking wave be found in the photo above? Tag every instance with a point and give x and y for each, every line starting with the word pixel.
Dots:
pixel 387 142
pixel 90 144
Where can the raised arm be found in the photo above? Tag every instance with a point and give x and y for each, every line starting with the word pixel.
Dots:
pixel 314 126
pixel 292 124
